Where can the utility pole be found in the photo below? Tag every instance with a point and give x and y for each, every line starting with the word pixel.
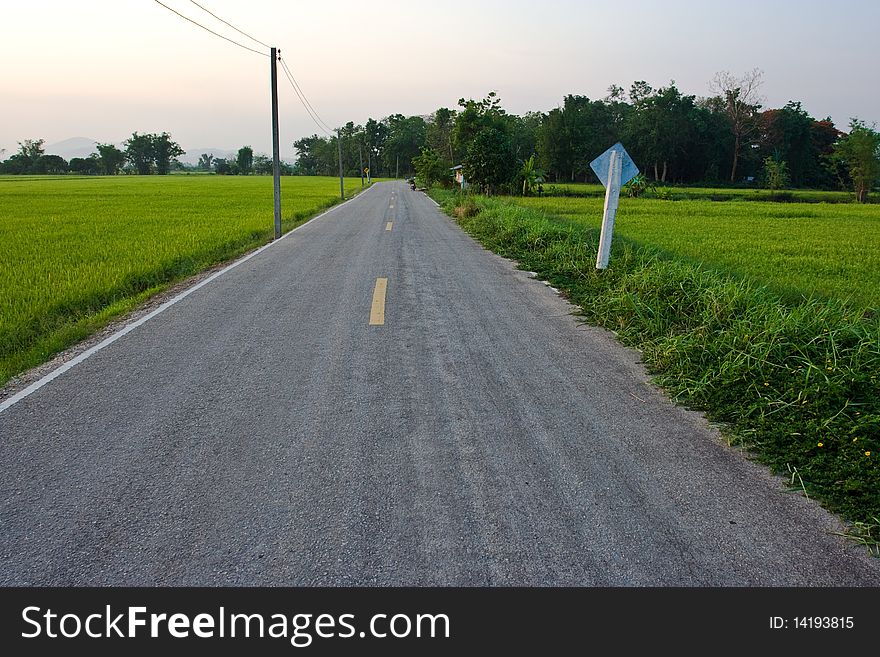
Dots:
pixel 339 144
pixel 276 160
pixel 397 168
pixel 361 163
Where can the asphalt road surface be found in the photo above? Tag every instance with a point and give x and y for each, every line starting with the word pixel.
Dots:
pixel 288 423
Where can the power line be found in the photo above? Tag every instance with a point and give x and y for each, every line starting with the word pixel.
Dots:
pixel 303 102
pixel 304 99
pixel 313 114
pixel 229 24
pixel 310 110
pixel 174 11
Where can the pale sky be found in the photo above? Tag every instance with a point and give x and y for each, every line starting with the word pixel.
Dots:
pixel 105 68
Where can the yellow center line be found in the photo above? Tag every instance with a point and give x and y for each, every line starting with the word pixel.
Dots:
pixel 377 312
pixel 388 225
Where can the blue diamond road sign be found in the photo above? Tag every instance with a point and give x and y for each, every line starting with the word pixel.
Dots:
pixel 629 170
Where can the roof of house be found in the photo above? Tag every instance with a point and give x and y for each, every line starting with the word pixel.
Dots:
pixel 457 166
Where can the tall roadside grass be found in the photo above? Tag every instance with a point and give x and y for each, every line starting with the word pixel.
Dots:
pixel 796 382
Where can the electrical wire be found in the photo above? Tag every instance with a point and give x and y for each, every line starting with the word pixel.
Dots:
pixel 313 114
pixel 174 11
pixel 304 99
pixel 314 119
pixel 310 110
pixel 205 9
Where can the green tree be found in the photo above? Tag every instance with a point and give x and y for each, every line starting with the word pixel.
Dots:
pixel 711 147
pixel 431 167
pixel 164 150
pixel 245 160
pixel 16 164
pixel 352 149
pixel 523 131
pixel 32 149
pixel 659 128
pixel 375 135
pixel 139 152
pixel 476 116
pixel 554 147
pixel 859 152
pixel 262 165
pixel 24 161
pixel 439 132
pixel 801 141
pixel 489 162
pixel 571 136
pixel 317 156
pixel 824 136
pixel 406 137
pixel 308 155
pixel 206 160
pixel 53 164
pixel 84 166
pixel 110 159
pixel 221 166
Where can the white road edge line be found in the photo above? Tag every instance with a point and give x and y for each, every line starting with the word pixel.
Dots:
pixel 54 374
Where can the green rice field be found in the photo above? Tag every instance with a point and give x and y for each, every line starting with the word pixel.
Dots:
pixel 77 251
pixel 799 249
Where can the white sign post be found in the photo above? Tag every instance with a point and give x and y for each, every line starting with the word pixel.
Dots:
pixel 613 168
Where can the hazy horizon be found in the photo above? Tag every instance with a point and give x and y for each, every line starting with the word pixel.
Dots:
pixel 102 70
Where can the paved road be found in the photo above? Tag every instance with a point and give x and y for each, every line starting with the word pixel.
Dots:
pixel 262 431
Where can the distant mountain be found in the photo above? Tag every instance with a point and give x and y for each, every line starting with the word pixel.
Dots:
pixel 73 147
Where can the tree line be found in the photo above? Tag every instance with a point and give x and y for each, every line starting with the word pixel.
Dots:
pixel 243 164
pixel 726 138
pixel 142 154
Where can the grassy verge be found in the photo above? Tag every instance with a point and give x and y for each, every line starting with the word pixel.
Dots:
pixel 85 250
pixel 795 382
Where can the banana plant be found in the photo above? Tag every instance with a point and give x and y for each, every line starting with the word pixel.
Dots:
pixel 531 176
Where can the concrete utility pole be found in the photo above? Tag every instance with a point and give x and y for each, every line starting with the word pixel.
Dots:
pixel 276 160
pixel 397 169
pixel 361 163
pixel 341 183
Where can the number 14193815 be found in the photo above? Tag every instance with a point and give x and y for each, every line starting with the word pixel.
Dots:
pixel 812 623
